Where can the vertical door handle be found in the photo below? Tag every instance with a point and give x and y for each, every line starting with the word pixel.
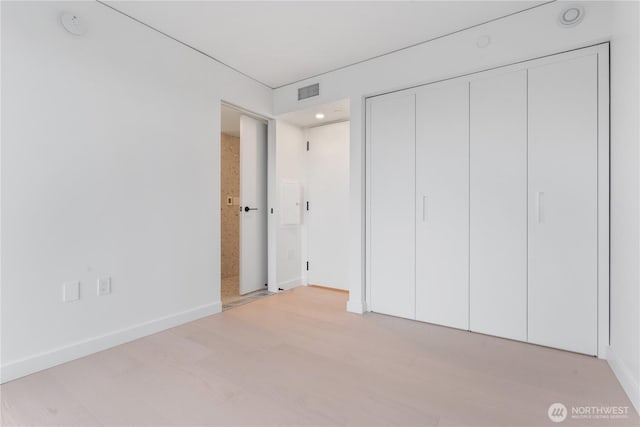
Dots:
pixel 424 208
pixel 540 210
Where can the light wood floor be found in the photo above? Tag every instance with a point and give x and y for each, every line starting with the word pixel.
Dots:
pixel 297 358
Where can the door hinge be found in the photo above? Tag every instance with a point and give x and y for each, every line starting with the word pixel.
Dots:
pixel 307 205
pixel 307 265
pixel 307 145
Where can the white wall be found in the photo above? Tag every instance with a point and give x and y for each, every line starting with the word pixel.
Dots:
pixel 110 167
pixel 290 162
pixel 625 198
pixel 519 37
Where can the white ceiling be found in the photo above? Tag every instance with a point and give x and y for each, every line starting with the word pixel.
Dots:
pixel 333 112
pixel 278 43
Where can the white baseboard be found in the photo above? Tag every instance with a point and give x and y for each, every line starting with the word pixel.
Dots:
pixel 291 283
pixel 354 306
pixel 48 359
pixel 626 379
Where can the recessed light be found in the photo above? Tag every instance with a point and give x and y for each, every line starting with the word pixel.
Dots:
pixel 571 16
pixel 319 116
pixel 483 41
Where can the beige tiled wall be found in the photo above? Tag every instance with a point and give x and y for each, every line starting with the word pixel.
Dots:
pixel 230 187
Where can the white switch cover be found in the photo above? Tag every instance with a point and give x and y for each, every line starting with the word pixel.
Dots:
pixel 104 286
pixel 71 291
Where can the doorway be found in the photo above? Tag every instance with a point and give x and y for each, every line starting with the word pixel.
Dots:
pixel 243 207
pixel 317 141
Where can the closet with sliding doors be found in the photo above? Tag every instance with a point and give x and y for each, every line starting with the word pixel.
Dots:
pixel 487 202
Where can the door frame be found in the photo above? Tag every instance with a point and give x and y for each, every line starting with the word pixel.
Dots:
pixel 603 190
pixel 271 192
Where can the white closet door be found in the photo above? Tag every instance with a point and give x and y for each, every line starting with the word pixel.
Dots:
pixel 498 190
pixel 563 120
pixel 442 204
pixel 391 126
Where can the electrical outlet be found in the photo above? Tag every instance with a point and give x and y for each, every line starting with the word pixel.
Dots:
pixel 104 286
pixel 71 291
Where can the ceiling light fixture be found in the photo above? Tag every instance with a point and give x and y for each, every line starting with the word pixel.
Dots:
pixel 571 16
pixel 319 116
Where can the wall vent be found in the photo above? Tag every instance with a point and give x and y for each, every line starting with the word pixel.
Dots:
pixel 308 91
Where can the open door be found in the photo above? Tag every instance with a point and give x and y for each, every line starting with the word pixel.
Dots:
pixel 327 212
pixel 253 205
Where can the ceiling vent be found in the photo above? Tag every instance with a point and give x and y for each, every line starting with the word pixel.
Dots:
pixel 308 91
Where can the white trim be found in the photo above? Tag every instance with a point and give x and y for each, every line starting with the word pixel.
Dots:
pixel 603 199
pixel 367 209
pixel 48 359
pixel 299 281
pixel 602 50
pixel 625 378
pixel 272 223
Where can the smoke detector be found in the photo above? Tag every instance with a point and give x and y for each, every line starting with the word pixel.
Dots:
pixel 571 16
pixel 72 24
pixel 483 41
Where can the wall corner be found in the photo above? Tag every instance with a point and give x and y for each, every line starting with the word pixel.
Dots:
pixel 630 385
pixel 355 306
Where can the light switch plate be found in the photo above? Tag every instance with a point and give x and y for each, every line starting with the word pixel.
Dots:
pixel 71 291
pixel 104 286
